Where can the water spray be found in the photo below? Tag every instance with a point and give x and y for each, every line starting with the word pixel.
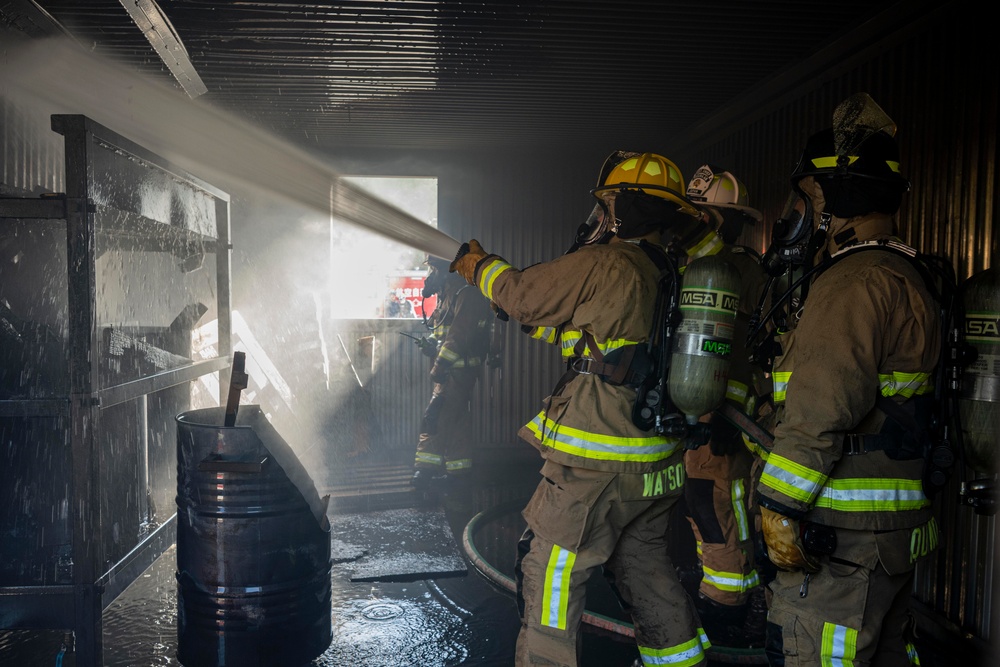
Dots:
pixel 199 137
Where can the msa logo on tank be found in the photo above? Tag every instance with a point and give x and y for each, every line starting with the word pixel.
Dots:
pixel 982 326
pixel 708 316
pixel 657 483
pixel 710 299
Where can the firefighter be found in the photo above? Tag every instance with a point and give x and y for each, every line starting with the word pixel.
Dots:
pixel 461 325
pixel 718 475
pixel 608 488
pixel 844 514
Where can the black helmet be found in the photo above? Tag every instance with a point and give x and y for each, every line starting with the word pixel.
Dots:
pixel 858 179
pixel 877 157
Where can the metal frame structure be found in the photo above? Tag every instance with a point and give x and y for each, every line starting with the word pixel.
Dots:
pixel 78 606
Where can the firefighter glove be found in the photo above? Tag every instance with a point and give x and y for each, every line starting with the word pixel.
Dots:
pixel 784 542
pixel 465 263
pixel 428 347
pixel 438 373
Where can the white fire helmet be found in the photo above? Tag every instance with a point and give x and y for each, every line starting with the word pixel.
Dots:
pixel 712 187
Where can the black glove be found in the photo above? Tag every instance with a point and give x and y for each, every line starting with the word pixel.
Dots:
pixel 428 347
pixel 439 374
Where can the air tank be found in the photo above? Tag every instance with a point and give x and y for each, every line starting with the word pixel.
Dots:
pixel 979 403
pixel 699 366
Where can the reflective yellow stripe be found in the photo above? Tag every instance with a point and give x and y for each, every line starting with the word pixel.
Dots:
pixel 458 464
pixel 872 495
pixel 732 582
pixel 911 653
pixel 555 598
pixel 739 510
pixel 781 379
pixel 427 457
pixel 611 345
pixel 489 275
pixel 755 447
pixel 830 161
pixel 569 340
pixel 547 334
pixel 571 337
pixel 737 392
pixel 710 244
pixel 905 384
pixel 689 653
pixel 839 646
pixel 600 447
pixel 792 479
pixel 468 363
pixel 448 355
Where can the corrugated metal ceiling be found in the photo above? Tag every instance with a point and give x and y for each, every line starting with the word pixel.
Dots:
pixel 417 74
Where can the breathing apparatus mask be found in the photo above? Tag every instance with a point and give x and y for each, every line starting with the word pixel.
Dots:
pixel 597 228
pixel 790 236
pixel 437 274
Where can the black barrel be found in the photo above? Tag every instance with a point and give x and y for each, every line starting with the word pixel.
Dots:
pixel 253 546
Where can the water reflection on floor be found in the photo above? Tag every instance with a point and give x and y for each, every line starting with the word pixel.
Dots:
pixel 440 622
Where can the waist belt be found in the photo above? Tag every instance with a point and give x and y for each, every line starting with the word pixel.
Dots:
pixel 856 444
pixel 615 374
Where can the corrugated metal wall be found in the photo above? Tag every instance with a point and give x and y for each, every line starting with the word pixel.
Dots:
pixel 945 103
pixel 32 155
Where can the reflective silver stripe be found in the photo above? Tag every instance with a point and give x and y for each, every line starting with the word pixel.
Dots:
pixel 904 384
pixel 739 510
pixel 838 646
pixel 489 276
pixel 732 582
pixel 569 341
pixel 780 379
pixel 601 447
pixel 689 653
pixel 555 598
pixel 792 479
pixel 872 495
pixel 426 457
pixel 458 464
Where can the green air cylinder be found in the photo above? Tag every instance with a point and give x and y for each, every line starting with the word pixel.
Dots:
pixel 979 403
pixel 699 367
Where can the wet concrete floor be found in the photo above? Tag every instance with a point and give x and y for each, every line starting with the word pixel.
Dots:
pixel 452 617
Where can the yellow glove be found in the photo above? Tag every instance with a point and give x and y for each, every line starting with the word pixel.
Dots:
pixel 784 542
pixel 465 263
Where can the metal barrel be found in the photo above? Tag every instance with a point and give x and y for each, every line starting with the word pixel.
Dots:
pixel 253 547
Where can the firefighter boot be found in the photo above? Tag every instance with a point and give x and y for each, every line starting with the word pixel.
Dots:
pixel 723 623
pixel 426 478
pixel 755 625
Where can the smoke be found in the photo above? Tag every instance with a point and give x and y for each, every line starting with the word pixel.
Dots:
pixel 207 141
pixel 295 266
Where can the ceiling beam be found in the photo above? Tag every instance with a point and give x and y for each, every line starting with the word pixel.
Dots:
pixel 157 28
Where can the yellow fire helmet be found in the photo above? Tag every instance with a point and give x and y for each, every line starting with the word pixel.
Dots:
pixel 652 174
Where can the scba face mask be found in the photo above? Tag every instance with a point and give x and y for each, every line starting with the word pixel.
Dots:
pixel 790 236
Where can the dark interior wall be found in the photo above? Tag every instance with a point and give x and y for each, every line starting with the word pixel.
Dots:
pixel 934 74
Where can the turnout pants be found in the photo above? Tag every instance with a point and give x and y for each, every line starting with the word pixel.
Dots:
pixel 445 441
pixel 581 520
pixel 855 610
pixel 716 495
